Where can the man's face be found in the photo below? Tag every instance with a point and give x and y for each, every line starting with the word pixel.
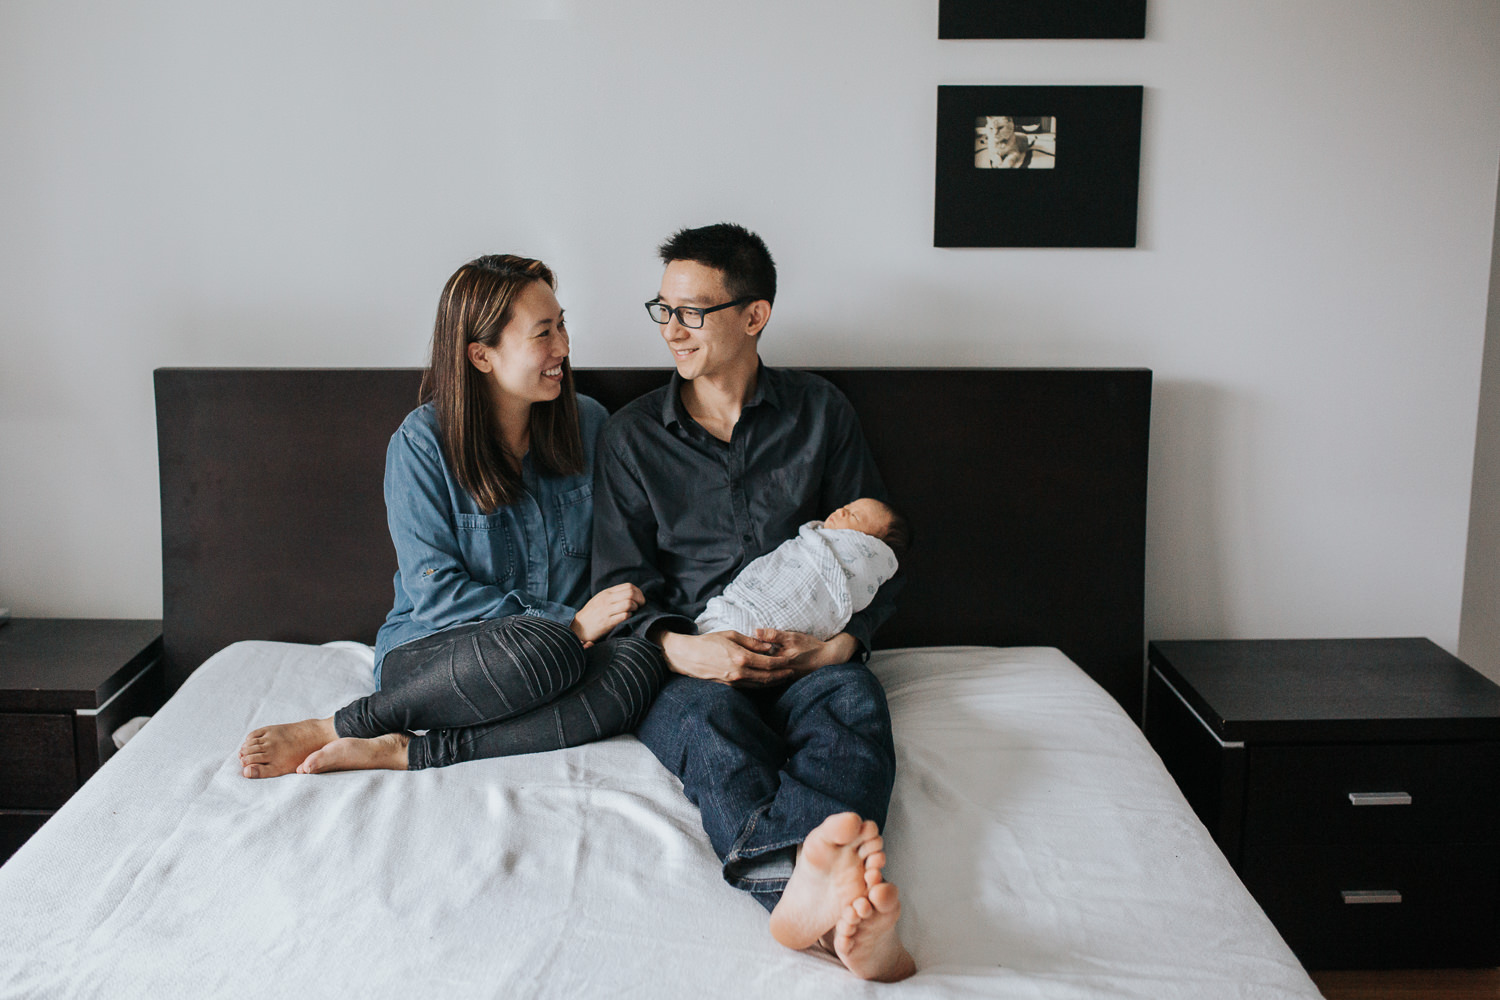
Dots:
pixel 724 342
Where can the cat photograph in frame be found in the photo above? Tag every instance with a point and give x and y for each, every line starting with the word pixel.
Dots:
pixel 1041 18
pixel 1037 166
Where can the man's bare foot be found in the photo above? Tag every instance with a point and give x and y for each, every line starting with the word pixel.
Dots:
pixel 386 752
pixel 866 941
pixel 274 750
pixel 837 864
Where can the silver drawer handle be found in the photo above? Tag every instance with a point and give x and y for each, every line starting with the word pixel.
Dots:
pixel 1379 799
pixel 1371 896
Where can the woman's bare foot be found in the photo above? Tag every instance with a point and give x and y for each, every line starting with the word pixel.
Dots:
pixel 866 941
pixel 386 753
pixel 274 750
pixel 837 864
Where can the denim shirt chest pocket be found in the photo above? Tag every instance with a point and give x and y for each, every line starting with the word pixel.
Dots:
pixel 575 520
pixel 488 548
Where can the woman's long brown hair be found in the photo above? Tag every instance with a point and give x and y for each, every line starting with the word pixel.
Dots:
pixel 477 303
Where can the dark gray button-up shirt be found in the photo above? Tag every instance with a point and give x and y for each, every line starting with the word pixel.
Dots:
pixel 679 512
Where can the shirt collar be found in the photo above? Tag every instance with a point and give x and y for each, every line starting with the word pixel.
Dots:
pixel 767 390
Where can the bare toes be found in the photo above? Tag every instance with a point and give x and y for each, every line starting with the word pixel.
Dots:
pixel 870 846
pixel 842 828
pixel 885 897
pixel 844 931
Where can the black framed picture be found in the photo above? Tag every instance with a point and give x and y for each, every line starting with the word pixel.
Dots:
pixel 1041 18
pixel 1037 166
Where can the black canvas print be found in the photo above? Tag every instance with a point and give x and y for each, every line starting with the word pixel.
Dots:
pixel 1042 18
pixel 1037 166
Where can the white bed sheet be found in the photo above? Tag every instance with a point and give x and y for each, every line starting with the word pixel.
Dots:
pixel 1041 849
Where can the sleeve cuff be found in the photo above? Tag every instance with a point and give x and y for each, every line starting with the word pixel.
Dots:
pixel 859 627
pixel 641 625
pixel 560 613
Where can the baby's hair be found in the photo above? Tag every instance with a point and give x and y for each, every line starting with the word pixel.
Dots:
pixel 898 535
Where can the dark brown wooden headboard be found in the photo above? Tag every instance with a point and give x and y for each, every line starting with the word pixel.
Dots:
pixel 1026 489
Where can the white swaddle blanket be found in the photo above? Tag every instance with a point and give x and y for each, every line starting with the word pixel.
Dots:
pixel 812 583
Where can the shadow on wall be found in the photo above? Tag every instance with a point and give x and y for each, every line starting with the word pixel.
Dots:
pixel 1186 516
pixel 1479 623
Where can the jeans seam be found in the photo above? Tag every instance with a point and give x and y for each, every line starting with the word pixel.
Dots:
pixel 483 669
pixel 583 698
pixel 738 853
pixel 423 754
pixel 529 675
pixel 750 825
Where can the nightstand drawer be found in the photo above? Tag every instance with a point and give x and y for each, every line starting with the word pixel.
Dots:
pixel 1380 907
pixel 37 766
pixel 1398 793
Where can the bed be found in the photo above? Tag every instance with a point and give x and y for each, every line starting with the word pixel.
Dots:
pixel 1041 848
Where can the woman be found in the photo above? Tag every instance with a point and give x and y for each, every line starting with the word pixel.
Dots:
pixel 493 646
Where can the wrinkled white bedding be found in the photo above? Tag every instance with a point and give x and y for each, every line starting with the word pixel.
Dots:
pixel 1041 849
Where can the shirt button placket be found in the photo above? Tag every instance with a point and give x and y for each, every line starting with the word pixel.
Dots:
pixel 536 548
pixel 739 499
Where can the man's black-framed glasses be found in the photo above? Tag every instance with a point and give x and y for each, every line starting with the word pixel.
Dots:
pixel 689 316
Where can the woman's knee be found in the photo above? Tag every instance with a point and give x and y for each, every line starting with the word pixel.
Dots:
pixel 529 660
pixel 519 632
pixel 634 674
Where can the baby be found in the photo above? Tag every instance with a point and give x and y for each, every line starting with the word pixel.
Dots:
pixel 815 582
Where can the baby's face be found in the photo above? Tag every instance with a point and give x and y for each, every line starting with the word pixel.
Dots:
pixel 864 514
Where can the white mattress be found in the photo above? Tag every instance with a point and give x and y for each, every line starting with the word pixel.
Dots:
pixel 1041 849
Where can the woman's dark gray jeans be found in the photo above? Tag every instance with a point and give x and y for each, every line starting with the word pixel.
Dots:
pixel 506 686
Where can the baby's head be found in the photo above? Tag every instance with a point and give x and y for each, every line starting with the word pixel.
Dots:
pixel 873 518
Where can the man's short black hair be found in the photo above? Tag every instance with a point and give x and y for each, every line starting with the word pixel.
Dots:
pixel 736 252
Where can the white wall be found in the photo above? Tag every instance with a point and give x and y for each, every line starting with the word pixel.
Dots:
pixel 200 183
pixel 1479 626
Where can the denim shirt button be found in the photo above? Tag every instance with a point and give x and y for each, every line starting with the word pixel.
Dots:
pixel 748 538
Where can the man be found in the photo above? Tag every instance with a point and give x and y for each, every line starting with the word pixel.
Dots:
pixel 781 740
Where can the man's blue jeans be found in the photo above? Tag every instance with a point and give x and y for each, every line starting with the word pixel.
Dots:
pixel 765 766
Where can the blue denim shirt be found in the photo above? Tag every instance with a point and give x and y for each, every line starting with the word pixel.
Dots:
pixel 457 564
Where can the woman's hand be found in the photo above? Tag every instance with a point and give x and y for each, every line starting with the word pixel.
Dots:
pixel 807 653
pixel 605 610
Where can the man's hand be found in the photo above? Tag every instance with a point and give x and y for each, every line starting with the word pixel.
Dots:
pixel 808 653
pixel 605 610
pixel 726 657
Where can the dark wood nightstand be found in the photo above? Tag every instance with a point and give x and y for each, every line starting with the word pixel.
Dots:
pixel 66 684
pixel 1354 784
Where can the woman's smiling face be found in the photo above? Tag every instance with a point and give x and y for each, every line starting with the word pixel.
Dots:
pixel 526 364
